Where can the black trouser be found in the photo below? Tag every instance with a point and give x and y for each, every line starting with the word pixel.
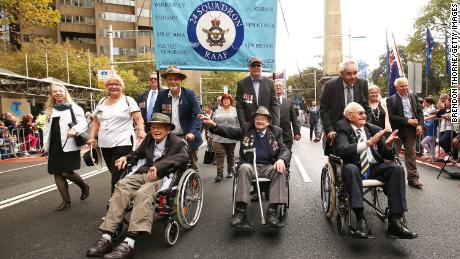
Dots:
pixel 390 173
pixel 110 155
pixel 313 128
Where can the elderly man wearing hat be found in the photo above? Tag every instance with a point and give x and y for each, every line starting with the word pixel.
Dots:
pixel 272 157
pixel 161 150
pixel 182 106
pixel 255 91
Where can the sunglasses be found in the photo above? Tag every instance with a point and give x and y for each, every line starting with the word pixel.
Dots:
pixel 256 65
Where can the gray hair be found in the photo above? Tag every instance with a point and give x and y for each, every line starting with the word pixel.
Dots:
pixel 401 81
pixel 350 108
pixel 114 77
pixel 347 62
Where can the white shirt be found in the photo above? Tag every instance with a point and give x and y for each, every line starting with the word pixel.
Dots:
pixel 151 92
pixel 346 92
pixel 280 99
pixel 116 122
pixel 175 113
pixel 362 145
pixel 159 149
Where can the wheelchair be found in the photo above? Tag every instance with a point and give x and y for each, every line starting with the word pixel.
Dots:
pixel 261 185
pixel 335 197
pixel 179 206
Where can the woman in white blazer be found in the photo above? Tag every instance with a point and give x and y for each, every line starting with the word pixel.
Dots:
pixel 58 141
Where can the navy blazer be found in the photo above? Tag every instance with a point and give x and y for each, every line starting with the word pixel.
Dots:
pixel 245 135
pixel 189 109
pixel 347 141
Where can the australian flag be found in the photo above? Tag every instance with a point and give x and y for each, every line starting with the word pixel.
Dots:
pixel 392 68
pixel 428 50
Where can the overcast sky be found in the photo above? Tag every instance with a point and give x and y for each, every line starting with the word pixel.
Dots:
pixel 367 18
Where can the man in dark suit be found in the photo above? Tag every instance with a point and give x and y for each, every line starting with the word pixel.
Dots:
pixel 314 121
pixel 161 151
pixel 365 154
pixel 340 91
pixel 182 106
pixel 406 115
pixel 271 159
pixel 288 118
pixel 146 100
pixel 255 91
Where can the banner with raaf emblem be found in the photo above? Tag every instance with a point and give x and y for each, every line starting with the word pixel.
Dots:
pixel 214 35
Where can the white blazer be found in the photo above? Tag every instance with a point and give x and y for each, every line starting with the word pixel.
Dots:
pixel 64 121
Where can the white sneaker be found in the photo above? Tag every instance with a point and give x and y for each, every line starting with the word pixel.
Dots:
pixel 166 182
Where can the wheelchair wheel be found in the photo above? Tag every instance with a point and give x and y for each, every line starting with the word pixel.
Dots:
pixel 380 201
pixel 189 199
pixel 172 232
pixel 342 223
pixel 328 194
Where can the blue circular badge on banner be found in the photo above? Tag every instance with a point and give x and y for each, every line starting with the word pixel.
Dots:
pixel 215 30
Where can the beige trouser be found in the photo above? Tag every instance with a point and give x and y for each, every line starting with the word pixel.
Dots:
pixel 137 188
pixel 409 140
pixel 278 190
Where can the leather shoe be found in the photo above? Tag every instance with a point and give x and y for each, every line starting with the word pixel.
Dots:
pixel 272 218
pixel 122 251
pixel 362 231
pixel 84 193
pixel 100 248
pixel 397 229
pixel 64 205
pixel 416 184
pixel 240 218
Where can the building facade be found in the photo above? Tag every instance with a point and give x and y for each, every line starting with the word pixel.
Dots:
pixel 85 23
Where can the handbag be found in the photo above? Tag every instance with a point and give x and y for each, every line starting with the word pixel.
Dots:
pixel 82 137
pixel 209 155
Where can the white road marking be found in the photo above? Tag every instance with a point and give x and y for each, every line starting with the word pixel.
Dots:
pixel 304 174
pixel 32 194
pixel 20 168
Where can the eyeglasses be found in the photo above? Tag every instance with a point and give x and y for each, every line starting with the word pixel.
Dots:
pixel 360 113
pixel 152 78
pixel 256 65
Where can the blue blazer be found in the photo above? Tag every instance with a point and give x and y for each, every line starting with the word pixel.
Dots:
pixel 189 109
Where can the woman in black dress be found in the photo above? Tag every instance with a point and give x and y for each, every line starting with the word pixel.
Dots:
pixel 63 153
pixel 379 114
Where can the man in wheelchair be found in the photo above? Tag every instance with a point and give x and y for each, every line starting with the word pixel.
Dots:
pixel 271 157
pixel 366 154
pixel 161 151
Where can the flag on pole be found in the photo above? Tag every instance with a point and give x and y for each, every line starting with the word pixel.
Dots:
pixel 428 50
pixel 447 47
pixel 388 57
pixel 394 68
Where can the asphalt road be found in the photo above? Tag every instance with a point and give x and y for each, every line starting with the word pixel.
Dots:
pixel 31 229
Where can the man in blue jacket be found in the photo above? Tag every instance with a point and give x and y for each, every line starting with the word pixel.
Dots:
pixel 182 106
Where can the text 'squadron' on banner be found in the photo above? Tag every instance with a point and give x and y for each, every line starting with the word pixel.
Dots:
pixel 214 35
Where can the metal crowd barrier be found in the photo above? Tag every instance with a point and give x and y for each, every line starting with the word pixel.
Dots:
pixel 14 143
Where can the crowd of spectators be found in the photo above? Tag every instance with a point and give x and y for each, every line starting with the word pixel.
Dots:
pixel 19 136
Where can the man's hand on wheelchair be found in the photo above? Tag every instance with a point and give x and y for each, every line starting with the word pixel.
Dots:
pixel 279 166
pixel 331 135
pixel 121 163
pixel 152 174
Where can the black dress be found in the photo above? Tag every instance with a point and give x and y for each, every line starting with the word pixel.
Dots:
pixel 59 161
pixel 378 116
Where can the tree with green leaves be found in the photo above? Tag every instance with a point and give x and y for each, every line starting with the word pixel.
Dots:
pixel 25 14
pixel 304 85
pixel 213 84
